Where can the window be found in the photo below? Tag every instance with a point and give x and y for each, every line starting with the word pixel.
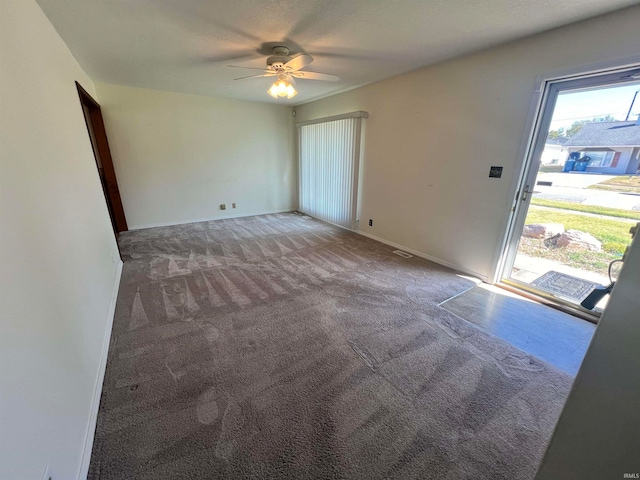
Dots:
pixel 600 159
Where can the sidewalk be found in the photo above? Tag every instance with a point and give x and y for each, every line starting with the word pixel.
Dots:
pixel 630 221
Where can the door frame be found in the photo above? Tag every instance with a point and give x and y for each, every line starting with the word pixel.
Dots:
pixel 547 88
pixel 110 185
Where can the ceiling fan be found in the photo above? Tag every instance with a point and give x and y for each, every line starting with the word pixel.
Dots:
pixel 286 68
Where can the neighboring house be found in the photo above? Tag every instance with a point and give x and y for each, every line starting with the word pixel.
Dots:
pixel 555 151
pixel 614 147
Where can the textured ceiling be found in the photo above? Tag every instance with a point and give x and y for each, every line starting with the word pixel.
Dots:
pixel 186 45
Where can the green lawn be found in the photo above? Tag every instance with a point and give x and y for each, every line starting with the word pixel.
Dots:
pixel 625 183
pixel 551 168
pixel 613 234
pixel 577 207
pixel 624 180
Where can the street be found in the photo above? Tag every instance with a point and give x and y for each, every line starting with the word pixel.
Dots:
pixel 572 187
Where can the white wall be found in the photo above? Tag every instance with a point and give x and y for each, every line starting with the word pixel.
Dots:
pixel 553 152
pixel 597 435
pixel 57 277
pixel 178 157
pixel 433 134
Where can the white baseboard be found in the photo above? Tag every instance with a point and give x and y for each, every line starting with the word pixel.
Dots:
pixel 97 391
pixel 207 219
pixel 424 255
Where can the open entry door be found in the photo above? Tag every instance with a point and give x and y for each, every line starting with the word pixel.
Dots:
pixel 104 162
pixel 580 189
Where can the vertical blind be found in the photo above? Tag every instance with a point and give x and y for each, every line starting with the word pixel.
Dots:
pixel 329 154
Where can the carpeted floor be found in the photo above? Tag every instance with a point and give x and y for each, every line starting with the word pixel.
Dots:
pixel 282 347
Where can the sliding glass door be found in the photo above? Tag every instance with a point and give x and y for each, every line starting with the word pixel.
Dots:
pixel 329 168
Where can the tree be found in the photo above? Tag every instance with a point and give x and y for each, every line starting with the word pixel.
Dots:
pixel 577 125
pixel 553 134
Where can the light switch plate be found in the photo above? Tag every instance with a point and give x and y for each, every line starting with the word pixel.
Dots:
pixel 495 172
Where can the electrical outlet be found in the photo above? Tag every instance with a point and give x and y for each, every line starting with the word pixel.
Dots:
pixel 233 205
pixel 370 223
pixel 223 206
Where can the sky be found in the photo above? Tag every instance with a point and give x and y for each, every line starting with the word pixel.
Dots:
pixel 584 105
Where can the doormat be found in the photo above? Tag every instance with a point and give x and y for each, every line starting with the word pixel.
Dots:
pixel 565 286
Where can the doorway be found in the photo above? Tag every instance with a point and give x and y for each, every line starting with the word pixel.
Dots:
pixel 580 190
pixel 104 162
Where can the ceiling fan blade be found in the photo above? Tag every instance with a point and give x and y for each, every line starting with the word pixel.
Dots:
pixel 237 56
pixel 248 68
pixel 315 76
pixel 299 61
pixel 259 75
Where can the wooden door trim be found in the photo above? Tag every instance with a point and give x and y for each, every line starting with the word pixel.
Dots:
pixel 114 201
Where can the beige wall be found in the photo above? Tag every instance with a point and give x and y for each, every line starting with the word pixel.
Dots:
pixel 433 134
pixel 57 277
pixel 430 140
pixel 178 156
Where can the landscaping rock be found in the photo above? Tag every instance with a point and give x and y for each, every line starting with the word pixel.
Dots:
pixel 577 240
pixel 542 230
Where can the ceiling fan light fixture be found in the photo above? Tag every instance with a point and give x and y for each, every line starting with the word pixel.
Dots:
pixel 282 88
